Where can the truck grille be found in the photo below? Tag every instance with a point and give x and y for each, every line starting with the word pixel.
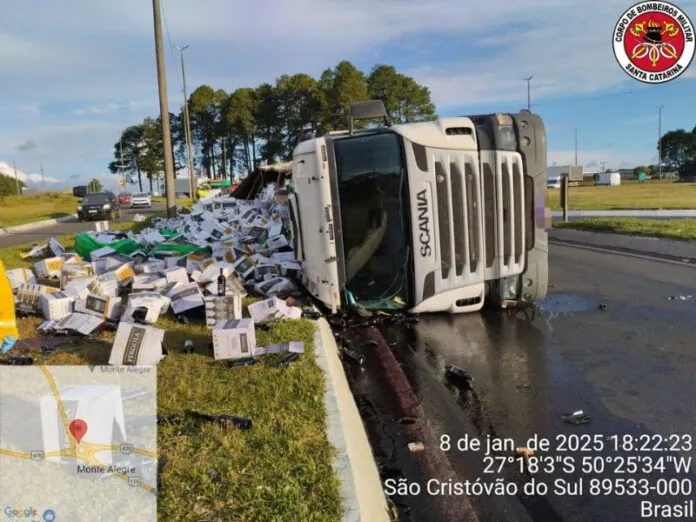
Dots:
pixel 504 214
pixel 458 217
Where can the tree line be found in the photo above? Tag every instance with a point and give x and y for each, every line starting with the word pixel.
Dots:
pixel 8 185
pixel 251 126
pixel 679 151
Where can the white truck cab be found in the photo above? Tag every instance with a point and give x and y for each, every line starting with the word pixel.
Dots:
pixel 439 216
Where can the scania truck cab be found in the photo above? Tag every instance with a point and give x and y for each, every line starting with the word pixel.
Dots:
pixel 438 216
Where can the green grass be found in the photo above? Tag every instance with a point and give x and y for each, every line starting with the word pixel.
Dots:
pixel 680 229
pixel 18 210
pixel 653 194
pixel 279 470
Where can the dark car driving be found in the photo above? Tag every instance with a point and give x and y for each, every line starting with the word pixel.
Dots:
pixel 99 205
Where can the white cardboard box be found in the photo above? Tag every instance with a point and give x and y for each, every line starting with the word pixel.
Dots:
pixel 19 277
pixel 56 305
pixel 154 303
pixel 234 340
pixel 273 308
pixel 49 267
pixel 185 297
pixel 137 345
pixel 219 310
pixel 177 274
pixel 103 306
pixel 28 298
pixel 79 322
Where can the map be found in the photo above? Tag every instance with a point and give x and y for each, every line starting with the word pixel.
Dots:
pixel 78 443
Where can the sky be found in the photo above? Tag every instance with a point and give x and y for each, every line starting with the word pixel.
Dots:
pixel 75 74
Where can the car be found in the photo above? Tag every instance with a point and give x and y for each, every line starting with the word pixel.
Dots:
pixel 124 198
pixel 99 205
pixel 141 199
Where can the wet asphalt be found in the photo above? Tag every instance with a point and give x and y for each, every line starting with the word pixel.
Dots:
pixel 32 236
pixel 614 338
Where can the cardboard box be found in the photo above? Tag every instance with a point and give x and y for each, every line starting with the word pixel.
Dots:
pixel 185 297
pixel 123 275
pixel 154 304
pixel 234 339
pixel 106 307
pixel 148 282
pixel 101 252
pixel 28 298
pixel 50 267
pixel 219 310
pixel 19 277
pixel 176 274
pixel 57 305
pixel 81 288
pixel 244 267
pixel 79 322
pixel 271 309
pixel 71 271
pixel 111 262
pixel 137 345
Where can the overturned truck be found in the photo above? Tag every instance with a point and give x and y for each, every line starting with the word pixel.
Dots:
pixel 440 216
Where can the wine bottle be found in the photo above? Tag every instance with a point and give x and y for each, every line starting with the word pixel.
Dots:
pixel 221 283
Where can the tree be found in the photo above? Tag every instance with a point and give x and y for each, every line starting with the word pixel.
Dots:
pixel 8 185
pixel 239 130
pixel 678 148
pixel 404 99
pixel 127 154
pixel 94 186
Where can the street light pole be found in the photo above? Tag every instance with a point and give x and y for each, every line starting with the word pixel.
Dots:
pixel 187 130
pixel 529 92
pixel 164 110
pixel 14 166
pixel 659 139
pixel 576 146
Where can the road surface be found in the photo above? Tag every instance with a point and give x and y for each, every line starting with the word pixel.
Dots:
pixel 40 234
pixel 629 366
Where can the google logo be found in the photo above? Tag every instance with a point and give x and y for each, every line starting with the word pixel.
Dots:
pixel 20 513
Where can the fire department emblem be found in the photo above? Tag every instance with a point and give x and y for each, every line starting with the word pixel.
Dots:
pixel 654 42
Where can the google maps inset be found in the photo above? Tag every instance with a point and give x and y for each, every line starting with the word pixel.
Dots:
pixel 78 443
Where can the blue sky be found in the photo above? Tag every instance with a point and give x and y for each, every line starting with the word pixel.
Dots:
pixel 76 73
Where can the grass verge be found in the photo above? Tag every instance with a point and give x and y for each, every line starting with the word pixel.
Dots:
pixel 651 195
pixel 279 470
pixel 18 210
pixel 680 229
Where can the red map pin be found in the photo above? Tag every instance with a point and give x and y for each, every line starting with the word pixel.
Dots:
pixel 78 428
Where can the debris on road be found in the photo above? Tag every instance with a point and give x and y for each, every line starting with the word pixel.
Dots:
pixel 457 374
pixel 577 417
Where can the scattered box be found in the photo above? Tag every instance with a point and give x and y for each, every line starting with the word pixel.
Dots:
pixel 234 340
pixel 137 345
pixel 56 305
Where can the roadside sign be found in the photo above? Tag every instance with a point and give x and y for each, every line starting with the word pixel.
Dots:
pixel 575 173
pixel 122 183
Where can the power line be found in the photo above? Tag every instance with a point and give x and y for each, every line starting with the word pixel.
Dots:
pixel 169 39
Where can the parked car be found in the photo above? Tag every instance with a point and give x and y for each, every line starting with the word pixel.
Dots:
pixel 141 199
pixel 124 198
pixel 99 205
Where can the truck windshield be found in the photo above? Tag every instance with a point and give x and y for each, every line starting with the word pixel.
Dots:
pixel 95 199
pixel 371 176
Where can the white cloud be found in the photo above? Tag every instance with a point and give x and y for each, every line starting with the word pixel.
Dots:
pixel 33 110
pixel 100 110
pixel 8 170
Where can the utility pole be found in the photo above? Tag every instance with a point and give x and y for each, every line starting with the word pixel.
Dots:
pixel 43 178
pixel 659 139
pixel 602 163
pixel 187 130
pixel 164 110
pixel 576 146
pixel 14 166
pixel 529 92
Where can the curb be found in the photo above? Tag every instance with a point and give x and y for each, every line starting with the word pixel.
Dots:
pixel 361 486
pixel 37 224
pixel 660 213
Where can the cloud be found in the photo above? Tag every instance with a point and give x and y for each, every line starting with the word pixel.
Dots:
pixel 27 146
pixel 34 110
pixel 109 108
pixel 10 171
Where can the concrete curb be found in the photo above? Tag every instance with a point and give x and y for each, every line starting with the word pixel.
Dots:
pixel 37 224
pixel 361 486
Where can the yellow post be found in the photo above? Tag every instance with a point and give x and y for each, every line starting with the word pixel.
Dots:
pixel 8 321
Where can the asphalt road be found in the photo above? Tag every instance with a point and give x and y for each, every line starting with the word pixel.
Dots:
pixel 33 236
pixel 629 366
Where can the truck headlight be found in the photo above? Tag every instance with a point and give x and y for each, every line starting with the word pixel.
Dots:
pixel 107 207
pixel 510 287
